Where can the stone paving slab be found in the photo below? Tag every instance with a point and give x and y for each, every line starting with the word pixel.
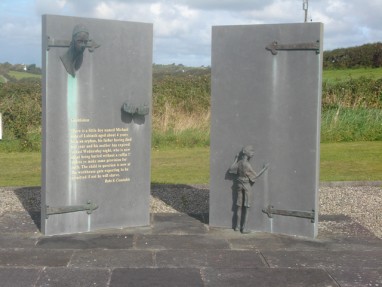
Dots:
pixel 181 258
pixel 189 254
pixel 208 258
pixel 34 257
pixel 87 241
pixel 263 241
pixel 16 241
pixel 349 277
pixel 265 277
pixel 180 242
pixel 20 222
pixel 147 277
pixel 178 224
pixel 73 277
pixel 112 259
pixel 329 259
pixel 18 277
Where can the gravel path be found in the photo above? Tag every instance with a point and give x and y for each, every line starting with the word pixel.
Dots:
pixel 363 204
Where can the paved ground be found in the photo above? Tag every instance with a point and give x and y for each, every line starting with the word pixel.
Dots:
pixel 181 250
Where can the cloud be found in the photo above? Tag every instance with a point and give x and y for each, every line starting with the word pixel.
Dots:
pixel 226 5
pixel 182 28
pixel 348 23
pixel 50 6
pixel 276 12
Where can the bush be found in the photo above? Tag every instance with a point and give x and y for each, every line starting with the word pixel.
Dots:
pixel 346 124
pixel 181 103
pixel 351 110
pixel 20 105
pixel 352 93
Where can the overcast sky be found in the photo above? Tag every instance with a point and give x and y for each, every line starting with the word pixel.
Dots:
pixel 182 28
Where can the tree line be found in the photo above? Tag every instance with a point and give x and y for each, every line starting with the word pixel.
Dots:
pixel 365 56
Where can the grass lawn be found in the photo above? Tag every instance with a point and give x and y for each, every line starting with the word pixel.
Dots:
pixel 354 161
pixel 20 169
pixel 351 161
pixel 20 75
pixel 186 165
pixel 340 75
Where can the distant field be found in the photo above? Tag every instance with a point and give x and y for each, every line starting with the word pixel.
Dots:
pixel 21 75
pixel 339 75
pixel 329 75
pixel 355 161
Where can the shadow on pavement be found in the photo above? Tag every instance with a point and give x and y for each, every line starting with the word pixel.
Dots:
pixel 30 198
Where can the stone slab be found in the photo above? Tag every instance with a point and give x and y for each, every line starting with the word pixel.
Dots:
pixel 229 258
pixel 18 277
pixel 62 277
pixel 112 259
pixel 265 241
pixel 342 226
pixel 20 222
pixel 87 241
pixel 256 259
pixel 160 242
pixel 266 277
pixel 184 258
pixel 329 259
pixel 349 277
pixel 16 241
pixel 94 148
pixel 272 102
pixel 156 277
pixel 34 257
pixel 177 224
pixel 208 258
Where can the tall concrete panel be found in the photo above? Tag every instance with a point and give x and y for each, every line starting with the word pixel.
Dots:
pixel 266 92
pixel 96 124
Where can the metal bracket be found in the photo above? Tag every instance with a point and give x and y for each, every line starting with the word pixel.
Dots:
pixel 270 210
pixel 275 46
pixel 89 207
pixel 56 43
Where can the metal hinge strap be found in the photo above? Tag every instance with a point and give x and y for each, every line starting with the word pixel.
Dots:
pixel 270 211
pixel 88 207
pixel 275 46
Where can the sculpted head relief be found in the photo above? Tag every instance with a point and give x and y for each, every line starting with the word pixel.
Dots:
pixel 73 57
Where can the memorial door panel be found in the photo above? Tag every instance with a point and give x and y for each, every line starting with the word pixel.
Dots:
pixel 96 124
pixel 266 92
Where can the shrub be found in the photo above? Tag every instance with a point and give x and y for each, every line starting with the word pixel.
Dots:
pixel 20 105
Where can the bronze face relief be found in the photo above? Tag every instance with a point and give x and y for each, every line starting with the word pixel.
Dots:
pixel 73 57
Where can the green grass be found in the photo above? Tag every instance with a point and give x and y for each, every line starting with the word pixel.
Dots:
pixel 188 138
pixel 20 169
pixel 20 75
pixel 351 125
pixel 356 161
pixel 330 75
pixel 351 161
pixel 186 165
pixel 340 75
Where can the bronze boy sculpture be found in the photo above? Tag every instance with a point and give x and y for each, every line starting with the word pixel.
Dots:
pixel 245 178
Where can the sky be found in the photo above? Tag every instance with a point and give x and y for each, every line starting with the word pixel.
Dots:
pixel 182 28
